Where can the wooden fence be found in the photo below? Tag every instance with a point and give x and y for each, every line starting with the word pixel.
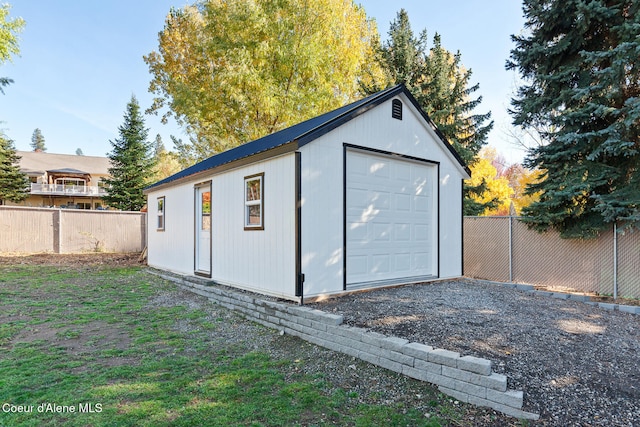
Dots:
pixel 504 249
pixel 38 230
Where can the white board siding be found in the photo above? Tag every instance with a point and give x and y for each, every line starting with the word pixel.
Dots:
pixel 391 218
pixel 173 248
pixel 322 193
pixel 450 223
pixel 260 260
pixel 322 216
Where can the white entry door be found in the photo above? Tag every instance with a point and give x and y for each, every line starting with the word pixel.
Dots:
pixel 391 218
pixel 203 230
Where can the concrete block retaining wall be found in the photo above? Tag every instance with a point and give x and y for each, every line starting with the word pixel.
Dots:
pixel 467 378
pixel 633 309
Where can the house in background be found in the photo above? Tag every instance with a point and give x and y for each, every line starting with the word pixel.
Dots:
pixel 366 195
pixel 64 180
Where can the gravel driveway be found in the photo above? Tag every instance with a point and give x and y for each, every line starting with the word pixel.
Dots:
pixel 578 365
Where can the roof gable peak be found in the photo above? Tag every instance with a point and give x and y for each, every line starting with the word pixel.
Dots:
pixel 305 132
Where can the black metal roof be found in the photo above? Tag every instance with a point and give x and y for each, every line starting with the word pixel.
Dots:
pixel 305 132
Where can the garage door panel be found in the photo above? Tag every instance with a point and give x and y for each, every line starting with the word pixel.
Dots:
pixel 381 199
pixel 403 202
pixel 421 260
pixel 382 232
pixel 379 168
pixel 390 211
pixel 402 232
pixel 416 173
pixel 403 261
pixel 362 198
pixel 358 264
pixel 402 171
pixel 422 203
pixel 358 231
pixel 358 198
pixel 358 165
pixel 380 263
pixel 421 232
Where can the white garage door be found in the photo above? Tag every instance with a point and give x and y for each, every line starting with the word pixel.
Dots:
pixel 390 219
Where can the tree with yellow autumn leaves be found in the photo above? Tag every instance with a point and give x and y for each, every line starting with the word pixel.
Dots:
pixel 497 187
pixel 231 72
pixel 9 30
pixel 505 184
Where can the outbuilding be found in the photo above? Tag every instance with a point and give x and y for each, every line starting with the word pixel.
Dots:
pixel 366 195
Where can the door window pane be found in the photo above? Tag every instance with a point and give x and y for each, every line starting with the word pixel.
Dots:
pixel 206 210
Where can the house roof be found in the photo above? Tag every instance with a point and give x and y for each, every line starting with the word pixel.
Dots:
pixel 37 163
pixel 302 133
pixel 69 171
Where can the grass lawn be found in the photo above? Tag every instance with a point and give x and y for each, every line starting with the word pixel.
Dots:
pixel 88 346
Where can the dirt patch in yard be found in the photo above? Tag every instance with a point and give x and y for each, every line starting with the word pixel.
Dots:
pixel 82 339
pixel 577 364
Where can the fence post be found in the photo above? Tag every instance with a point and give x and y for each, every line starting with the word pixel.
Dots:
pixel 511 248
pixel 615 260
pixel 56 231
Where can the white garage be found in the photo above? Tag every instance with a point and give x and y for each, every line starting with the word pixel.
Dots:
pixel 363 196
pixel 391 218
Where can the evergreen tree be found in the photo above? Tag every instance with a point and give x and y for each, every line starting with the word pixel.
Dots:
pixel 186 152
pixel 37 141
pixel 79 152
pixel 131 162
pixel 440 84
pixel 579 61
pixel 13 183
pixel 158 146
pixel 166 162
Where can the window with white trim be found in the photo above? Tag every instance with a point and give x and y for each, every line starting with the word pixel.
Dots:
pixel 160 213
pixel 254 202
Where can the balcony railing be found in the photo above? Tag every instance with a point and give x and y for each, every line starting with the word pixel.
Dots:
pixel 67 190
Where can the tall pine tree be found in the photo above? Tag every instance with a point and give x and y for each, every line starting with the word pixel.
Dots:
pixel 166 162
pixel 441 85
pixel 13 183
pixel 37 140
pixel 579 61
pixel 131 162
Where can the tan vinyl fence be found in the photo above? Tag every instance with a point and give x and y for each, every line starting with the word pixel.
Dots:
pixel 506 250
pixel 37 230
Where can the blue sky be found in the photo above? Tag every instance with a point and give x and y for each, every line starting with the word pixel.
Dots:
pixel 81 61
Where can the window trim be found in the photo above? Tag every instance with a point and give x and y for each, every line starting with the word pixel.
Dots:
pixel 160 213
pixel 259 202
